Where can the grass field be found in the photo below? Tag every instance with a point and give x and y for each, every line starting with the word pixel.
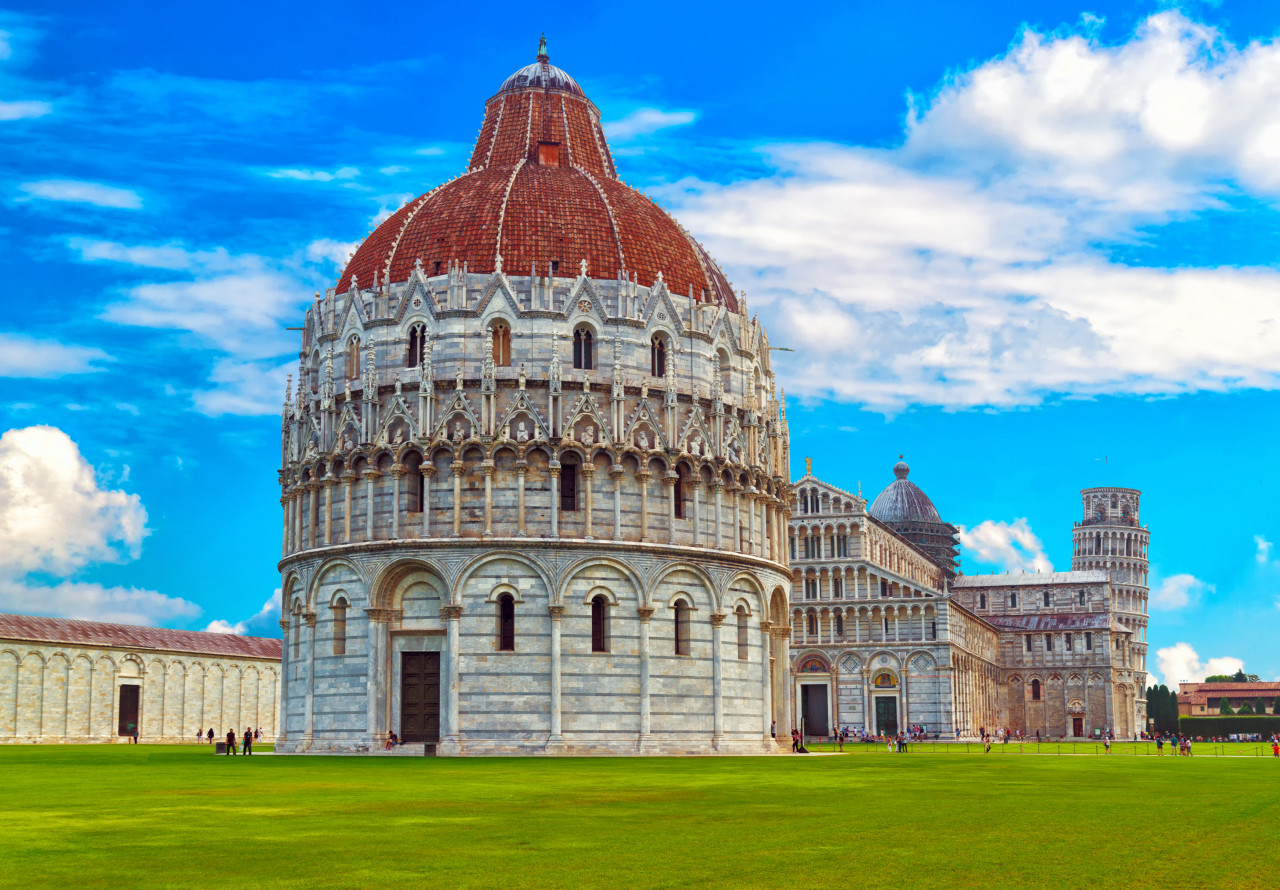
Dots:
pixel 145 817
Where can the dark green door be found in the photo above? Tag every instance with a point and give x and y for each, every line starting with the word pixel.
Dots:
pixel 814 704
pixel 887 715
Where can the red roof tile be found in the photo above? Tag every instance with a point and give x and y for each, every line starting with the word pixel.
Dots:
pixel 98 633
pixel 573 209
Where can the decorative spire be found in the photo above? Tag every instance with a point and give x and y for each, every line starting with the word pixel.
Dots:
pixel 553 372
pixel 542 48
pixel 328 392
pixel 618 391
pixel 370 376
pixel 288 397
pixel 717 385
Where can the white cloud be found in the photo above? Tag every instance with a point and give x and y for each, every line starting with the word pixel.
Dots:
pixel 94 602
pixel 431 151
pixel 1264 549
pixel 315 175
pixel 56 519
pixel 262 620
pixel 393 170
pixel 1181 664
pixel 23 109
pixel 1178 592
pixel 1009 546
pixel 22 356
pixel 336 252
pixel 53 516
pixel 173 256
pixel 81 192
pixel 242 313
pixel 963 268
pixel 644 121
pixel 244 388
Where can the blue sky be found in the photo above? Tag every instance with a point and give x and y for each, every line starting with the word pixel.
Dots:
pixel 1033 247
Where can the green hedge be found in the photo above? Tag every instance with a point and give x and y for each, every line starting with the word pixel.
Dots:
pixel 1216 726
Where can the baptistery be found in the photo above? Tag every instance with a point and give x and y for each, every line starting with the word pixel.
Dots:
pixel 534 475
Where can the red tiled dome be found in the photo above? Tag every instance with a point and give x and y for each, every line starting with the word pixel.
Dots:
pixel 541 188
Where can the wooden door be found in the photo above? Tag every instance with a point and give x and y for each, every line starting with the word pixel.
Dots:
pixel 128 719
pixel 1077 726
pixel 420 697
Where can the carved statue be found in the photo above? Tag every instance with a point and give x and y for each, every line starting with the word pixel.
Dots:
pixel 582 267
pixel 644 391
pixel 459 379
pixel 522 432
pixel 347 443
pixel 589 435
pixel 642 440
pixel 523 379
pixel 695 447
pixel 398 438
pixel 457 429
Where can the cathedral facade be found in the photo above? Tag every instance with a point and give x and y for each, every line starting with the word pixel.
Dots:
pixel 886 634
pixel 534 475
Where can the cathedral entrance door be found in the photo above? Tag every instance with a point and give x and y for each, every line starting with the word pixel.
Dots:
pixel 814 718
pixel 128 721
pixel 420 697
pixel 1077 726
pixel 886 715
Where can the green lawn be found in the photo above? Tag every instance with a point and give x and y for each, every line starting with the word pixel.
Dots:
pixel 144 816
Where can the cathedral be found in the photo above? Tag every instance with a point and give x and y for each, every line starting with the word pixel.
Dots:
pixel 534 475
pixel 886 635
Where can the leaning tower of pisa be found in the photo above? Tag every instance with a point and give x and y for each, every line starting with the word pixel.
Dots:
pixel 1110 537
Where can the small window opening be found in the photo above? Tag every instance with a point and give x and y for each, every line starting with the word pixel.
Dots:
pixel 1035 690
pixel 743 634
pixel 678 492
pixel 657 357
pixel 340 627
pixel 353 358
pixel 501 345
pixel 1048 642
pixel 506 623
pixel 682 628
pixel 417 346
pixel 812 624
pixel 600 623
pixel 569 486
pixel 1088 641
pixel 583 356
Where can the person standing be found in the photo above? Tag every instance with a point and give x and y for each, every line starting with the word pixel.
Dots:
pixel 773 729
pixel 795 741
pixel 210 735
pixel 231 742
pixel 248 740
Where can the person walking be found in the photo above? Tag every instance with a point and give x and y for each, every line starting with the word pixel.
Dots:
pixel 248 740
pixel 795 741
pixel 210 735
pixel 1106 744
pixel 1275 747
pixel 773 729
pixel 1159 746
pixel 231 742
pixel 199 736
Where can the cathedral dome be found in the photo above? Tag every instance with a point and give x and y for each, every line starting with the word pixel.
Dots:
pixel 903 500
pixel 540 195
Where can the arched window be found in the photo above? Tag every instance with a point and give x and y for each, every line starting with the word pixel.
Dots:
pixel 415 482
pixel 353 358
pixel 657 356
pixel 682 628
pixel 811 626
pixel 1128 547
pixel 678 491
pixel 1035 690
pixel 982 601
pixel 1081 597
pixel 340 627
pixel 506 623
pixel 839 624
pixel 726 371
pixel 1047 599
pixel 743 633
pixel 501 344
pixel 417 346
pixel 569 483
pixel 583 353
pixel 600 623
pixel 1048 642
pixel 1013 601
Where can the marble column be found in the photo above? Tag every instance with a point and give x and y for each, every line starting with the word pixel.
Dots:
pixel 644 476
pixel 522 467
pixel 615 472
pixel 718 489
pixel 670 480
pixel 459 468
pixel 310 713
pixel 588 471
pixel 737 519
pixel 286 665
pixel 717 679
pixel 329 482
pixel 766 679
pixel 645 613
pixel 348 479
pixel 450 735
pixel 555 498
pixel 486 470
pixel 397 473
pixel 557 612
pixel 378 674
pixel 696 485
pixel 428 472
pixel 284 536
pixel 369 476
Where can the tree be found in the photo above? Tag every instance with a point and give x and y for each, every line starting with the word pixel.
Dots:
pixel 1220 678
pixel 1245 707
pixel 1275 706
pixel 1225 707
pixel 1260 706
pixel 1172 705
